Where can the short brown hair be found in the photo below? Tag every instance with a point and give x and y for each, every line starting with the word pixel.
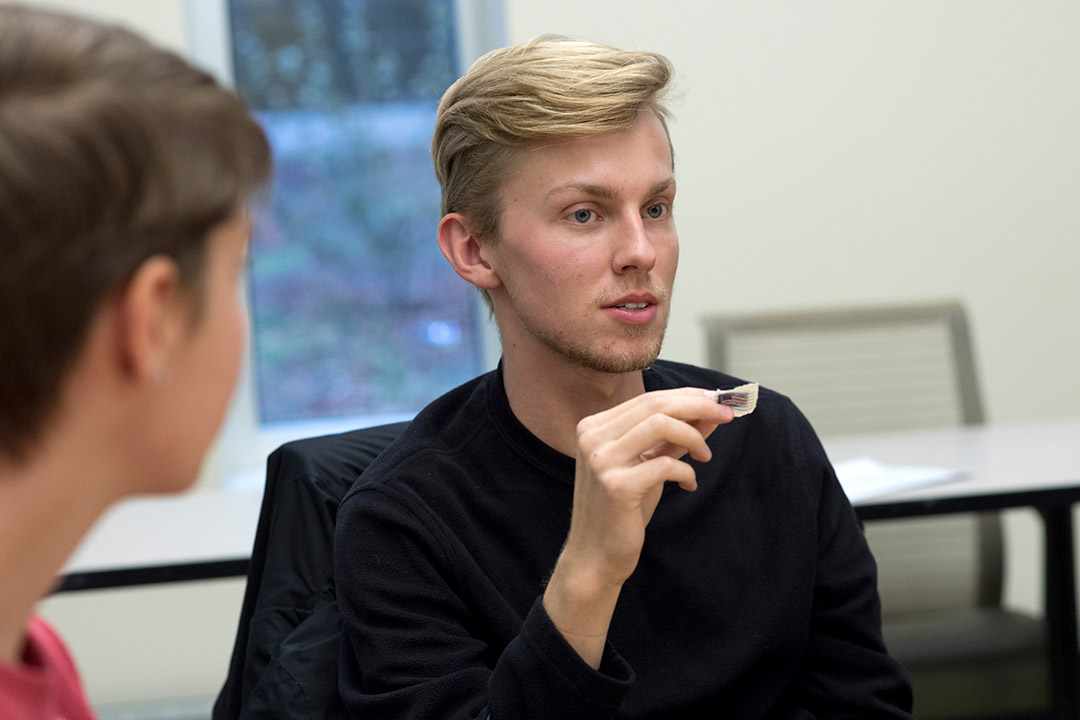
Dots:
pixel 551 87
pixel 111 151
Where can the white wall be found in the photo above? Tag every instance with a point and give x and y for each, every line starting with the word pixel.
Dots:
pixel 843 151
pixel 869 152
pixel 160 20
pixel 853 152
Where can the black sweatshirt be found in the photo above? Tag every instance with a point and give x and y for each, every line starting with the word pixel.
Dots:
pixel 755 596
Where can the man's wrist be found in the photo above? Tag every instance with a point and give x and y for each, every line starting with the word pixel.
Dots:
pixel 581 607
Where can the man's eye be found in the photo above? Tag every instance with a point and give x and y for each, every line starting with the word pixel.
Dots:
pixel 582 216
pixel 655 211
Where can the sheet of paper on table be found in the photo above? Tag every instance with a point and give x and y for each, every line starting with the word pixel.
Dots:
pixel 865 478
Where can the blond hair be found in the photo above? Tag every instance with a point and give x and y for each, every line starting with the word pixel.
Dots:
pixel 551 87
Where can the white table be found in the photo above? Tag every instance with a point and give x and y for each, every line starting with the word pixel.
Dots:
pixel 997 461
pixel 209 534
pixel 199 535
pixel 1003 466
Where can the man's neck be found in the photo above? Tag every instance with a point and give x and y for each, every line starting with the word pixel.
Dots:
pixel 46 506
pixel 550 398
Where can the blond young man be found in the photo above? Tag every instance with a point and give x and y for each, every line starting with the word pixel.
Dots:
pixel 124 179
pixel 537 543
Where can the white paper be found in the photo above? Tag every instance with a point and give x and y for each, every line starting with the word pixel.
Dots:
pixel 864 478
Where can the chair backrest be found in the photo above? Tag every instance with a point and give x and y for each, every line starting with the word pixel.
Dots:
pixel 856 370
pixel 284 661
pixel 867 369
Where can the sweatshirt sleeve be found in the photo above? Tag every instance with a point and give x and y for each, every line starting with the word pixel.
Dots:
pixel 847 672
pixel 412 646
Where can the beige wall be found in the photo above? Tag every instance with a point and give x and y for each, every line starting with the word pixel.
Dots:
pixel 828 153
pixel 852 152
pixel 858 152
pixel 869 152
pixel 160 20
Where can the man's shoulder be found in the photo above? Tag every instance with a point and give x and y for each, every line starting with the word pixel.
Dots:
pixel 441 428
pixel 50 667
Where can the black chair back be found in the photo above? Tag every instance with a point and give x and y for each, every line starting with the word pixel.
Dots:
pixel 284 661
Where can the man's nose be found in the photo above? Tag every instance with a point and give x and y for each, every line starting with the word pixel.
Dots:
pixel 635 249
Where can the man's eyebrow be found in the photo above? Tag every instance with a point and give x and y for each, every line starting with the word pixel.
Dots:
pixel 601 191
pixel 662 186
pixel 605 191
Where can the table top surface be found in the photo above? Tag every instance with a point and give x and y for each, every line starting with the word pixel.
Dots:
pixel 198 526
pixel 990 460
pixel 206 526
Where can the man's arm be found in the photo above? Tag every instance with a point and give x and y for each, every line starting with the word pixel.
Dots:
pixel 425 634
pixel 847 671
pixel 624 457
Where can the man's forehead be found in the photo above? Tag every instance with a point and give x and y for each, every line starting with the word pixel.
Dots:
pixel 645 117
pixel 606 191
pixel 601 165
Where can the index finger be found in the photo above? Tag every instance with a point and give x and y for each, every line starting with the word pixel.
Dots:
pixel 696 406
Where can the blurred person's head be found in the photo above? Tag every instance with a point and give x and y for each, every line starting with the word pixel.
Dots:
pixel 125 175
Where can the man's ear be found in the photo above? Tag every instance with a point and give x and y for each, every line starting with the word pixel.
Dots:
pixel 466 254
pixel 152 317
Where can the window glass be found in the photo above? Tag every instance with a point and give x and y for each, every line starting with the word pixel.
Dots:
pixel 354 310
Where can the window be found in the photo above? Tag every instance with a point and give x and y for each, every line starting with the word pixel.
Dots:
pixel 356 316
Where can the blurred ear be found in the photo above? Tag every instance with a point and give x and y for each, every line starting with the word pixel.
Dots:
pixel 152 317
pixel 465 252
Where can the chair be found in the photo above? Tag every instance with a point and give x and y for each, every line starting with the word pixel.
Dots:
pixel 861 370
pixel 284 660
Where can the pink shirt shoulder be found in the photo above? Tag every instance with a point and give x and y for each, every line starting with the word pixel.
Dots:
pixel 46 685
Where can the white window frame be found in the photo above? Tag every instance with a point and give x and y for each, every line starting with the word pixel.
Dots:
pixel 239 459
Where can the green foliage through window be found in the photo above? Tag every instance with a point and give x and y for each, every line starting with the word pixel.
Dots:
pixel 355 311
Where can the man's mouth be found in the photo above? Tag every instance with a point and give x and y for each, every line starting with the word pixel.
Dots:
pixel 633 306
